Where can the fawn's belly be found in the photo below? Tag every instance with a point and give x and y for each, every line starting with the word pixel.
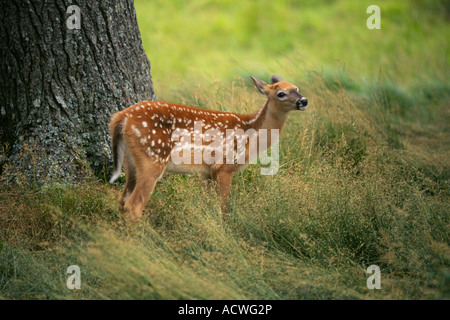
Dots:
pixel 202 169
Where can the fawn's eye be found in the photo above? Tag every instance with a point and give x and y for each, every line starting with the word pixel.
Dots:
pixel 281 94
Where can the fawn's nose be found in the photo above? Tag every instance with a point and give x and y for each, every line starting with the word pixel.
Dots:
pixel 303 102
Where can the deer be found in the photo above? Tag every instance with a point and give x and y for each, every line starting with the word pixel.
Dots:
pixel 151 137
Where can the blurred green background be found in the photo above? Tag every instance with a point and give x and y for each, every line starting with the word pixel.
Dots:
pixel 198 40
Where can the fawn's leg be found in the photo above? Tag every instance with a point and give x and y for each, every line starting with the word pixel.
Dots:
pixel 223 177
pixel 130 174
pixel 146 177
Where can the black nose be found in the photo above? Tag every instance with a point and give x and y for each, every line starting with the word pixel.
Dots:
pixel 303 102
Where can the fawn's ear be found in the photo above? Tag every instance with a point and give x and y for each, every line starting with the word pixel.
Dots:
pixel 275 79
pixel 261 85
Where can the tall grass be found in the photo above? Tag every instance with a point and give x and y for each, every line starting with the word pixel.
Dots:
pixel 344 198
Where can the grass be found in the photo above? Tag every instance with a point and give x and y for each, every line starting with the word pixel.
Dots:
pixel 363 173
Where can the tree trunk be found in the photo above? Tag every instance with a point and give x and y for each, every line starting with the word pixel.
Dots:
pixel 60 85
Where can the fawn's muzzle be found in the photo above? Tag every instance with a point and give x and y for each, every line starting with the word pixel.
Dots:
pixel 302 103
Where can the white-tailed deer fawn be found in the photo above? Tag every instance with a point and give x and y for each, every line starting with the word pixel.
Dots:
pixel 152 136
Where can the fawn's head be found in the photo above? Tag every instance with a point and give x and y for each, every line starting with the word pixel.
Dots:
pixel 284 96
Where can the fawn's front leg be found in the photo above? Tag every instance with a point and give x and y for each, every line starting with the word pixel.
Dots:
pixel 223 177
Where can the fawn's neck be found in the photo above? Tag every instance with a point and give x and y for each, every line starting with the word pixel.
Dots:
pixel 267 118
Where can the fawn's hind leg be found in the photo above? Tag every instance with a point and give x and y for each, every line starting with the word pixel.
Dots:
pixel 130 174
pixel 146 177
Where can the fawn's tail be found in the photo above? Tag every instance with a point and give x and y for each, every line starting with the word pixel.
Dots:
pixel 118 146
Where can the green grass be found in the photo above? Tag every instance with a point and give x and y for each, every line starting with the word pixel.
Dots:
pixel 364 173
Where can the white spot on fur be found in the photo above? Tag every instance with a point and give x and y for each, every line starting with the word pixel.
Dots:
pixel 136 131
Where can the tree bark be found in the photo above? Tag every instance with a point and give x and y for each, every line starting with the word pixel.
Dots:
pixel 59 86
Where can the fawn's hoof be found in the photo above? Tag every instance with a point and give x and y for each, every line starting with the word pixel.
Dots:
pixel 130 216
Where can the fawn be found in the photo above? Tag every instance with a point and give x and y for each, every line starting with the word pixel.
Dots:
pixel 150 137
